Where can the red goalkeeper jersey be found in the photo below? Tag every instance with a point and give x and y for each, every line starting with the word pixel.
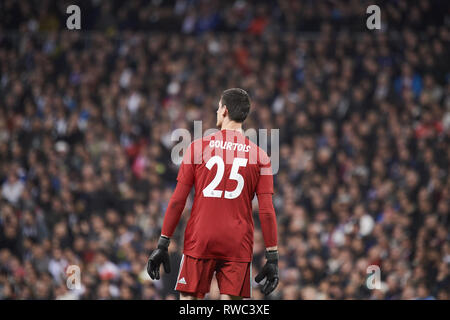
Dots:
pixel 227 170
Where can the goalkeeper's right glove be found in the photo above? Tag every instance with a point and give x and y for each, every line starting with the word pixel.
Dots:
pixel 158 256
pixel 270 272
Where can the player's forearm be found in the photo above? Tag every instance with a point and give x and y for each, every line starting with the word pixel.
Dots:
pixel 268 221
pixel 174 209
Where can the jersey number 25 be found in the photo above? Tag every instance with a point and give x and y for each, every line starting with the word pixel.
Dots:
pixel 211 192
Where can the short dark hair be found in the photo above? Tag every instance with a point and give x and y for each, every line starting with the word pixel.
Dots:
pixel 237 102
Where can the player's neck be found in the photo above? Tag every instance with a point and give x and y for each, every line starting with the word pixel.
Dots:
pixel 232 125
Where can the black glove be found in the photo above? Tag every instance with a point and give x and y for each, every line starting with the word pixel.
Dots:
pixel 160 255
pixel 269 271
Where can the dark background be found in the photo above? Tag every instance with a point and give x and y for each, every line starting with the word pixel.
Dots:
pixel 86 117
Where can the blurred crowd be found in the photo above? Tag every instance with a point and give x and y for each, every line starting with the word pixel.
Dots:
pixel 85 141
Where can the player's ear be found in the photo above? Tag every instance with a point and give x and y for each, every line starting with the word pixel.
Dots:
pixel 225 111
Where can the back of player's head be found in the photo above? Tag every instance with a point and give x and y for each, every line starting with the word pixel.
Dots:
pixel 237 102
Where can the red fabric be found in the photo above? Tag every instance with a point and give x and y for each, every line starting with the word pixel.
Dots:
pixel 175 208
pixel 195 275
pixel 424 130
pixel 242 58
pixel 221 222
pixel 268 219
pixel 258 25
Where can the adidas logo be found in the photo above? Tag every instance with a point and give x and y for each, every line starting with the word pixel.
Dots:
pixel 182 281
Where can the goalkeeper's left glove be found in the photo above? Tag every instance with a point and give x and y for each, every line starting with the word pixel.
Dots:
pixel 270 272
pixel 160 255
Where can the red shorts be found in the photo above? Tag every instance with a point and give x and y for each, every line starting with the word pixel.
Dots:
pixel 195 275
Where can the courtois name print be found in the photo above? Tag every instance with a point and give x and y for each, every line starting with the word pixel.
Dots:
pixel 229 145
